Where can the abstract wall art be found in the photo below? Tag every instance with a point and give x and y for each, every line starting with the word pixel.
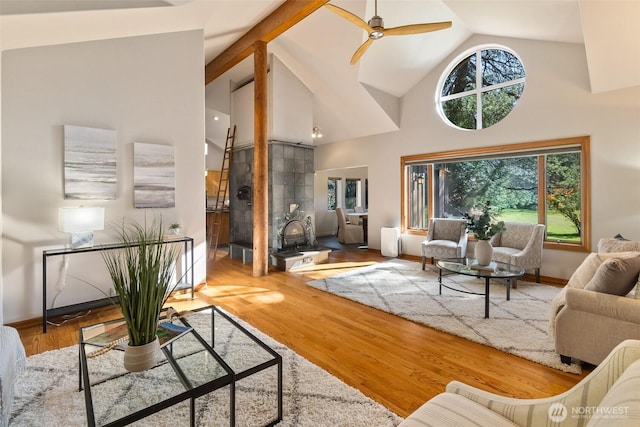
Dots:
pixel 153 176
pixel 90 169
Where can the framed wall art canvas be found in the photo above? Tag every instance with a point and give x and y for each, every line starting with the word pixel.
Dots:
pixel 153 176
pixel 90 169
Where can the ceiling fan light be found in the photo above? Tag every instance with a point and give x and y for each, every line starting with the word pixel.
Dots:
pixel 376 34
pixel 378 26
pixel 316 133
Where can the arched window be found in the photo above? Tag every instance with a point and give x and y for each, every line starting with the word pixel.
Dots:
pixel 480 87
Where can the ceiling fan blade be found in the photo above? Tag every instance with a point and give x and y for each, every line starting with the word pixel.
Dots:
pixel 350 17
pixel 361 50
pixel 416 28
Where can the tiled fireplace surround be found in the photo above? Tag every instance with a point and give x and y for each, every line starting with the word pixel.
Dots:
pixel 291 175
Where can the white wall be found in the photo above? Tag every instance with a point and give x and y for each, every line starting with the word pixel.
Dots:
pixel 291 103
pixel 148 89
pixel 326 220
pixel 556 103
pixel 290 108
pixel 1 222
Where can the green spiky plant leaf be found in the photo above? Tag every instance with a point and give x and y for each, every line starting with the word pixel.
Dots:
pixel 142 274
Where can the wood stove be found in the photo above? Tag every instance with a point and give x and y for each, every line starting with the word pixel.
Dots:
pixel 297 243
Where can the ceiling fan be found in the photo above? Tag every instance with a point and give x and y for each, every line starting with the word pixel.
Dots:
pixel 375 28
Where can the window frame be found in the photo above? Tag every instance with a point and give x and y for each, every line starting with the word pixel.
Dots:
pixel 479 90
pixel 581 142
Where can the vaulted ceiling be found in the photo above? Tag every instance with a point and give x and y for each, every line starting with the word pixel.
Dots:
pixel 350 101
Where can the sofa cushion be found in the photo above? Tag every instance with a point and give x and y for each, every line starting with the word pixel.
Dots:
pixel 620 407
pixel 618 245
pixel 616 276
pixel 450 409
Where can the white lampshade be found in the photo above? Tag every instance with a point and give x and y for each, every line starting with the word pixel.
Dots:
pixel 81 222
pixel 76 219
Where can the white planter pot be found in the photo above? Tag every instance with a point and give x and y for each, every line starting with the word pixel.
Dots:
pixel 483 252
pixel 141 357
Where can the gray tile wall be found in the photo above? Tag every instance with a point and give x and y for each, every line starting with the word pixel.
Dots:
pixel 291 174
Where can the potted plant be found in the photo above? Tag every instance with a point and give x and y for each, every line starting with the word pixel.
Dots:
pixel 142 276
pixel 175 228
pixel 482 223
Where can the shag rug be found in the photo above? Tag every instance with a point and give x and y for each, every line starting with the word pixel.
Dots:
pixel 47 393
pixel 401 287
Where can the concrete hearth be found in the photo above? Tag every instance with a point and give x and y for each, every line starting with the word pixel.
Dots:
pixel 292 259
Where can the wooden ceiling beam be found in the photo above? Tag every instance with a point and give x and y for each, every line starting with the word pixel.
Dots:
pixel 280 20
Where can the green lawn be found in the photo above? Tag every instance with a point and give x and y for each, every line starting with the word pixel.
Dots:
pixel 558 227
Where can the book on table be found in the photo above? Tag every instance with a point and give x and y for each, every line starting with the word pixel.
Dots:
pixel 491 267
pixel 106 337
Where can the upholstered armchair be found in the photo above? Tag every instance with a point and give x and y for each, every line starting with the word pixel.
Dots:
pixel 446 238
pixel 347 232
pixel 520 244
pixel 608 396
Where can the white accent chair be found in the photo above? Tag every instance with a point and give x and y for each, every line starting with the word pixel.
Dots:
pixel 608 396
pixel 446 238
pixel 347 232
pixel 520 244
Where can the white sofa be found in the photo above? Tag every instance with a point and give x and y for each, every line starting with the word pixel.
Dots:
pixel 607 397
pixel 599 307
pixel 12 361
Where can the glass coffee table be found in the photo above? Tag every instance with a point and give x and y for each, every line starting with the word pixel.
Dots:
pixel 469 267
pixel 196 376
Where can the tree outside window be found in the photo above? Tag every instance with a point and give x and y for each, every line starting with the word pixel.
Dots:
pixel 332 193
pixel 418 208
pixel 352 193
pixel 564 196
pixel 482 88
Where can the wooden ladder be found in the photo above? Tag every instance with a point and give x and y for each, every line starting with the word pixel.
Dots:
pixel 223 187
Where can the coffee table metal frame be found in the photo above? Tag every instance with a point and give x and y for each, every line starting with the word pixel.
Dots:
pixel 191 393
pixel 503 270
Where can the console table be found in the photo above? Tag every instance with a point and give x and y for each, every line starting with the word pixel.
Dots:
pixel 58 311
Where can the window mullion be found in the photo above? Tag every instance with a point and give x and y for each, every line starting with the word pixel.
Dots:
pixel 479 66
pixel 542 190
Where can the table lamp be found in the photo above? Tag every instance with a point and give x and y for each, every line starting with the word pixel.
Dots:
pixel 81 222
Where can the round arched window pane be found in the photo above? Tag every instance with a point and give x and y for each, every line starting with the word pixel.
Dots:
pixel 481 88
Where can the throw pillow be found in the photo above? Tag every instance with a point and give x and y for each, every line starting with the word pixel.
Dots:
pixel 616 276
pixel 617 245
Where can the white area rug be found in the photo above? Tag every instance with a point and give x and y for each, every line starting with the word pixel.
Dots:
pixel 47 395
pixel 400 287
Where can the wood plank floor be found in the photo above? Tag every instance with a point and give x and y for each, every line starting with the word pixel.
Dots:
pixel 396 362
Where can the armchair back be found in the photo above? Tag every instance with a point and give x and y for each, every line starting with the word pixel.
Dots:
pixel 447 229
pixel 517 235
